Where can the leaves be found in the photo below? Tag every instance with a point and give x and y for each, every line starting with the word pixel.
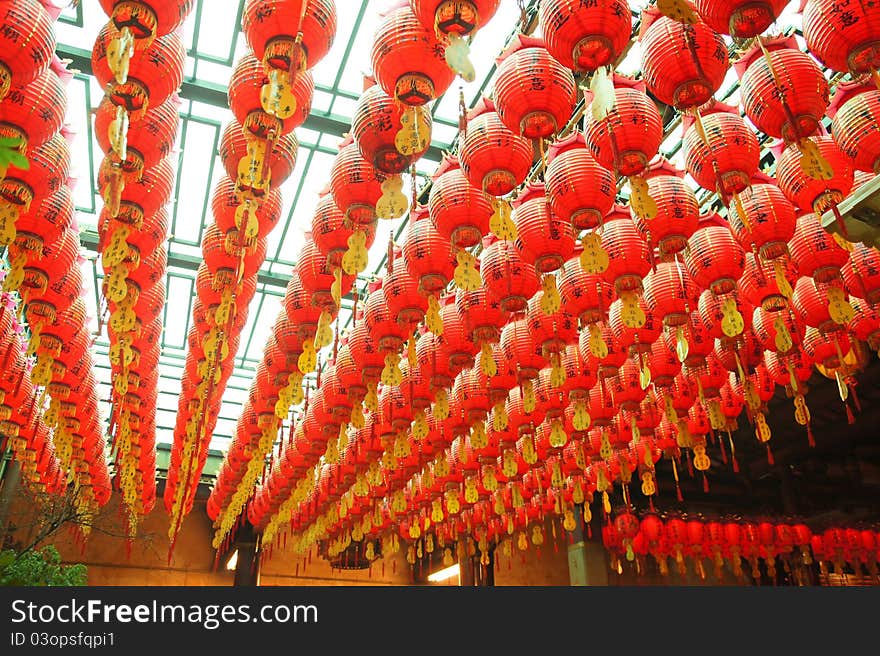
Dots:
pixel 11 155
pixel 39 568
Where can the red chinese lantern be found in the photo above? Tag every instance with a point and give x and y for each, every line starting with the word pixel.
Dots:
pixel 428 255
pixel 225 204
pixel 246 85
pixel 759 283
pixel 845 41
pixel 375 126
pixel 26 41
pixel 584 295
pixel 546 239
pixel 584 36
pixel 18 118
pixel 148 140
pixel 855 110
pixel 861 273
pixel 816 252
pixel 825 350
pixel 520 348
pixel 684 64
pixel 631 336
pixel 550 332
pixel 386 330
pixel 459 18
pixel 626 388
pixel 714 258
pixel 784 92
pixel 721 152
pixel 578 188
pixel 493 158
pixel 146 19
pixel 144 197
pixel 810 303
pixel 408 59
pixel 482 315
pixel 678 211
pixel 534 93
pixel 460 211
pixel 628 253
pixel 865 324
pixel 629 136
pixel 812 194
pixel 506 276
pixel 670 293
pixel 763 219
pixel 289 36
pixel 355 184
pixel 742 19
pixel 153 76
pixel 399 286
pixel 331 232
pixel 663 363
pixel 49 167
pixel 279 162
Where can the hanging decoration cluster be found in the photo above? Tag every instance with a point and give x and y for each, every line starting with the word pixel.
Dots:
pixel 533 341
pixel 270 94
pixel 734 542
pixel 138 59
pixel 49 411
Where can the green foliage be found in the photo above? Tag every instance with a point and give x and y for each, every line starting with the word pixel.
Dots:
pixel 10 155
pixel 38 568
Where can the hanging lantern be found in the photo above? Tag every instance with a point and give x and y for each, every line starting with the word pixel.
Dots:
pixel 408 59
pixel 861 273
pixel 585 36
pixel 865 324
pixel 812 191
pixel 763 219
pixel 506 276
pixel 714 258
pixel 247 162
pixel 148 140
pixel 684 63
pixel 810 302
pixel 855 110
pixel 767 286
pixel 318 278
pixel 152 77
pixel 356 185
pixel 400 287
pixel 843 41
pixel 550 331
pixel 27 43
pixel 268 119
pixel 482 315
pixel 331 232
pixel 815 251
pixel 783 90
pixel 141 198
pixel 625 137
pixel 493 158
pixel 459 210
pixel 663 363
pixel 378 128
pixel 225 204
pixel 546 239
pixel 741 19
pixel 578 189
pixel 18 120
pixel 534 93
pixel 626 388
pixel 630 335
pixel 289 36
pixel 628 254
pixel 721 152
pixel 584 295
pixel 677 209
pixel 520 348
pixel 601 349
pixel 428 255
pixel 670 293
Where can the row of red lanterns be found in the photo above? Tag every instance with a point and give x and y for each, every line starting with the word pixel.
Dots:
pixel 138 60
pixel 773 541
pixel 60 442
pixel 270 95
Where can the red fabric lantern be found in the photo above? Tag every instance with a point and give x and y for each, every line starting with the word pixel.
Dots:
pixel 386 330
pixel 376 123
pixel 146 196
pixel 663 363
pixel 493 158
pixel 331 231
pixel 728 157
pixel 578 188
pixel 683 64
pixel 149 139
pixel 807 192
pixel 460 211
pixel 460 18
pixel 272 28
pixel 670 293
pixel 815 251
pixel 49 168
pixel 519 347
pixel 26 41
pixel 856 125
pixel 866 322
pixel 630 135
pixel 714 258
pixel 17 115
pixel 584 36
pixel 861 273
pixel 545 238
pixel 225 202
pixel 628 254
pixel 787 96
pixel 147 18
pixel 428 255
pixel 550 332
pixel 401 293
pixel 482 315
pixel 355 184
pixel 282 158
pixel 742 19
pixel 824 350
pixel 637 339
pixel 506 276
pixel 759 284
pixel 408 59
pixel 534 93
pixel 245 89
pixel 810 303
pixel 764 219
pixel 845 41
pixel 584 295
pixel 153 76
pixel 678 211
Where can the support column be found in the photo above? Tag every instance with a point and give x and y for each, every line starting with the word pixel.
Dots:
pixel 8 489
pixel 587 558
pixel 247 570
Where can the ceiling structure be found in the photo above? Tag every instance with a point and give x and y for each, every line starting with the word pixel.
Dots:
pixel 214 45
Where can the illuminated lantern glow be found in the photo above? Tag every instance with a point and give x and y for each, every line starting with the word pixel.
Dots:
pixel 843 41
pixel 806 192
pixel 683 64
pixel 741 19
pixel 763 219
pixel 855 125
pixel 408 59
pixel 494 158
pixel 678 211
pixel 629 136
pixel 534 93
pixel 578 188
pixel 784 97
pixel 585 36
pixel 459 210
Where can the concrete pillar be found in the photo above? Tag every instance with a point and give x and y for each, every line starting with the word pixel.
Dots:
pixel 247 570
